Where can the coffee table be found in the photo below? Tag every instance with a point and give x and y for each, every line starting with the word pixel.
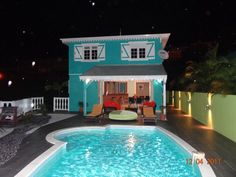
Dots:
pixel 123 115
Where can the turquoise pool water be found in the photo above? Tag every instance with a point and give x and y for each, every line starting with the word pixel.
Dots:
pixel 118 152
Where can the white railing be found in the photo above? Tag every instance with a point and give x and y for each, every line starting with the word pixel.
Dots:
pixel 60 104
pixel 36 102
pixel 24 105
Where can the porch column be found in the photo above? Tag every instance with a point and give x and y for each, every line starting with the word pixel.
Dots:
pixel 101 92
pixel 164 97
pixel 163 116
pixel 152 93
pixel 85 99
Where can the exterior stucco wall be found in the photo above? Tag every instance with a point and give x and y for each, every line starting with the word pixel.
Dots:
pixel 222 113
pixel 112 56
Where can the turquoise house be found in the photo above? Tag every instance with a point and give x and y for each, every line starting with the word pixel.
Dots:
pixel 127 66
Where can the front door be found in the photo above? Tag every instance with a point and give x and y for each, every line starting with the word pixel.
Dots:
pixel 142 89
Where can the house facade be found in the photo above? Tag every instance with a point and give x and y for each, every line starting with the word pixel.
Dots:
pixel 104 67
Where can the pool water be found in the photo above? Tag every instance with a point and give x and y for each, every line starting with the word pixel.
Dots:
pixel 119 152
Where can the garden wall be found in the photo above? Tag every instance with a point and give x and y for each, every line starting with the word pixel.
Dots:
pixel 215 111
pixel 23 105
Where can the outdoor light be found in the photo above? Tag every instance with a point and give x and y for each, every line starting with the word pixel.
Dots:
pixel 179 106
pixel 208 107
pixel 189 97
pixel 33 63
pixel 1 76
pixel 87 81
pixel 93 3
pixel 157 82
pixel 9 83
pixel 32 105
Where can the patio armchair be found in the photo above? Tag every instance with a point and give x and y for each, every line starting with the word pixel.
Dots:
pixel 148 114
pixel 96 112
pixel 150 104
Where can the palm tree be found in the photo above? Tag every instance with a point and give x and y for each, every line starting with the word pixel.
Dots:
pixel 214 74
pixel 56 86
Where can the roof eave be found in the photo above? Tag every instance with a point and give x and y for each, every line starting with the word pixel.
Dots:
pixel 164 38
pixel 124 77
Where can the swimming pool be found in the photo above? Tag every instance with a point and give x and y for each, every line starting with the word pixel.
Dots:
pixel 115 151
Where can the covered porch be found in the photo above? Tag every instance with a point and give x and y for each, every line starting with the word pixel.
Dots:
pixel 128 80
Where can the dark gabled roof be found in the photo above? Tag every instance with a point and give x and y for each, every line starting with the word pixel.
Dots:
pixel 126 70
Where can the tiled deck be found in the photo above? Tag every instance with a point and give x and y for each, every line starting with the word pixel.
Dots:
pixel 208 141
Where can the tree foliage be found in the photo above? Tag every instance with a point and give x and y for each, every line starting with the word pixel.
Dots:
pixel 214 74
pixel 58 87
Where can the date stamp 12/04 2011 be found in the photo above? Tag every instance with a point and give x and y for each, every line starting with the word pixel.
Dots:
pixel 210 161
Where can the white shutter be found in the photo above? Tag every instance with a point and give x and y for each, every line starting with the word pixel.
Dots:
pixel 101 51
pixel 125 51
pixel 150 48
pixel 78 52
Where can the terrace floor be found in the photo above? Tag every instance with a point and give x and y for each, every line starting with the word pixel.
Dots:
pixel 190 130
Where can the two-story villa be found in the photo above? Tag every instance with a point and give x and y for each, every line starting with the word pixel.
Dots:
pixel 101 68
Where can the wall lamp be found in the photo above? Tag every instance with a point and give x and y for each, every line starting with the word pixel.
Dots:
pixel 208 107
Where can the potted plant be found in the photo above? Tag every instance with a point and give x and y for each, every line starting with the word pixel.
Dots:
pixel 81 106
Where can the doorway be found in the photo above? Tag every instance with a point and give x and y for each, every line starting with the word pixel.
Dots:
pixel 142 89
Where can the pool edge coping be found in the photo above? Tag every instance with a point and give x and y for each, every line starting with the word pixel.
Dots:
pixel 205 169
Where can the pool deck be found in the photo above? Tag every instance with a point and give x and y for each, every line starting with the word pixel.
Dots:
pixel 197 135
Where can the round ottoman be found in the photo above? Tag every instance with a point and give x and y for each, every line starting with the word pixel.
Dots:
pixel 123 115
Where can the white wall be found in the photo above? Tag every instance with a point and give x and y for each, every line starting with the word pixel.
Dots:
pixel 23 105
pixel 132 87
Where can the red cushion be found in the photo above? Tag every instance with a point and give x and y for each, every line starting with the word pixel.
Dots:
pixel 112 104
pixel 149 103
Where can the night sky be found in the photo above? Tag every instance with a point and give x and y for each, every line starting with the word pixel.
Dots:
pixel 30 30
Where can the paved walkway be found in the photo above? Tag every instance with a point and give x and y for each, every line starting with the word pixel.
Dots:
pixel 5 131
pixel 54 118
pixel 212 143
pixel 215 145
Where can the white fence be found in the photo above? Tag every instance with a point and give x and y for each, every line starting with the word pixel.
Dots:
pixel 60 104
pixel 24 105
pixel 36 102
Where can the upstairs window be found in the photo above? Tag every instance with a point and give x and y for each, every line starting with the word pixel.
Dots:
pixel 94 53
pixel 134 53
pixel 86 53
pixel 142 53
pixel 138 51
pixel 89 52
